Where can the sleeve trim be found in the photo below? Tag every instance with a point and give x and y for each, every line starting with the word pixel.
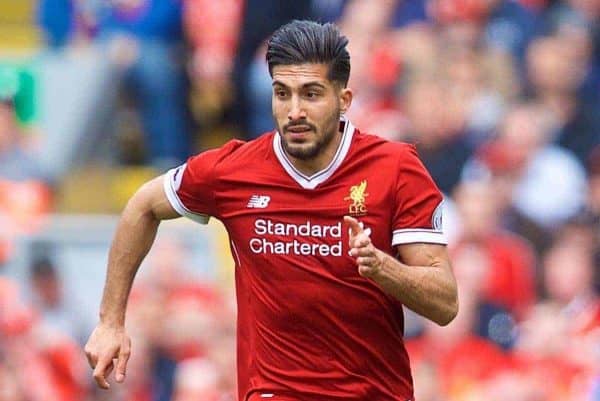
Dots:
pixel 176 202
pixel 414 235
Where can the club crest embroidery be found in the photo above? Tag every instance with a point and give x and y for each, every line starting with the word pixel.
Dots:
pixel 358 193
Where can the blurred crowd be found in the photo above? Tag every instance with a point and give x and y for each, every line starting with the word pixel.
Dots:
pixel 183 329
pixel 501 98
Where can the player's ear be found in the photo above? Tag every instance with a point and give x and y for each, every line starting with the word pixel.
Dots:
pixel 345 99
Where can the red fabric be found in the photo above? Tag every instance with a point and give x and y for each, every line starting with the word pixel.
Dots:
pixel 447 11
pixel 500 158
pixel 67 368
pixel 205 295
pixel 306 320
pixel 385 67
pixel 511 280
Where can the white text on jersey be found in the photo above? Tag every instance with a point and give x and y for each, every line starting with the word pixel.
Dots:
pixel 296 239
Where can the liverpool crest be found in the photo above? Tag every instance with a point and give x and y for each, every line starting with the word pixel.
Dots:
pixel 357 196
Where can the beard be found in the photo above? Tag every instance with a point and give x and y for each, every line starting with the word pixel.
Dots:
pixel 307 150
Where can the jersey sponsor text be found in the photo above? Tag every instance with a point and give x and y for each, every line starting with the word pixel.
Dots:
pixel 293 245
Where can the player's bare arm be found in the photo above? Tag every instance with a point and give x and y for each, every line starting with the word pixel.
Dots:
pixel 421 278
pixel 133 238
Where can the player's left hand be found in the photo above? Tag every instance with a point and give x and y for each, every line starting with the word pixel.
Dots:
pixel 368 257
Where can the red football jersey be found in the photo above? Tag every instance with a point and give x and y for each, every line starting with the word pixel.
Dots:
pixel 309 326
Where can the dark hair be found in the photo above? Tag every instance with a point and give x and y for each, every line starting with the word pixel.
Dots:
pixel 42 268
pixel 300 42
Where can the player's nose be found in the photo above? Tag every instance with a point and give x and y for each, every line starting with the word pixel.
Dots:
pixel 296 111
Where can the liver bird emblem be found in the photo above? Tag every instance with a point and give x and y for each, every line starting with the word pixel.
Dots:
pixel 357 196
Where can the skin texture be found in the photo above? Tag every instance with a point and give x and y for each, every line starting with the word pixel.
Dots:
pixel 306 108
pixel 421 278
pixel 134 237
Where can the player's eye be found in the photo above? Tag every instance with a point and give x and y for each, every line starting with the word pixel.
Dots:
pixel 280 93
pixel 311 95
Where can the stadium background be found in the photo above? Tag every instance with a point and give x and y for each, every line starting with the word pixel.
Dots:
pixel 501 98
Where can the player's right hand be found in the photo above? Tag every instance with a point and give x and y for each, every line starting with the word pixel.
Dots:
pixel 105 344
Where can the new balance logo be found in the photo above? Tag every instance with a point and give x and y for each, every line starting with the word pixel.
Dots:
pixel 259 201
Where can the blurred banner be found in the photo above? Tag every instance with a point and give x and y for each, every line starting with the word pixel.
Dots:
pixel 18 28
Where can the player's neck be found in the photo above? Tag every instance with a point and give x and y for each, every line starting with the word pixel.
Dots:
pixel 313 165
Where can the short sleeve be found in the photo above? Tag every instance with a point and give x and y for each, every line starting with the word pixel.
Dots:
pixel 418 208
pixel 190 187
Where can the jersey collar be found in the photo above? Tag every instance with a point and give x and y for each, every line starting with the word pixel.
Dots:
pixel 310 182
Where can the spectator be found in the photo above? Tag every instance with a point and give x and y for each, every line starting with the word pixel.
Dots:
pixel 196 380
pixel 509 279
pixel 17 163
pixel 570 275
pixel 479 101
pixel 510 27
pixel 186 333
pixel 501 25
pixel 376 66
pixel 556 68
pixel 503 118
pixel 442 146
pixel 491 320
pixel 24 191
pixel 542 354
pixel 462 360
pixel 593 200
pixel 545 183
pixel 575 22
pixel 569 282
pixel 37 353
pixel 212 30
pixel 144 39
pixel 48 297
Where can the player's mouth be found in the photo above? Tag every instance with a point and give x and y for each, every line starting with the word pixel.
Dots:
pixel 298 131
